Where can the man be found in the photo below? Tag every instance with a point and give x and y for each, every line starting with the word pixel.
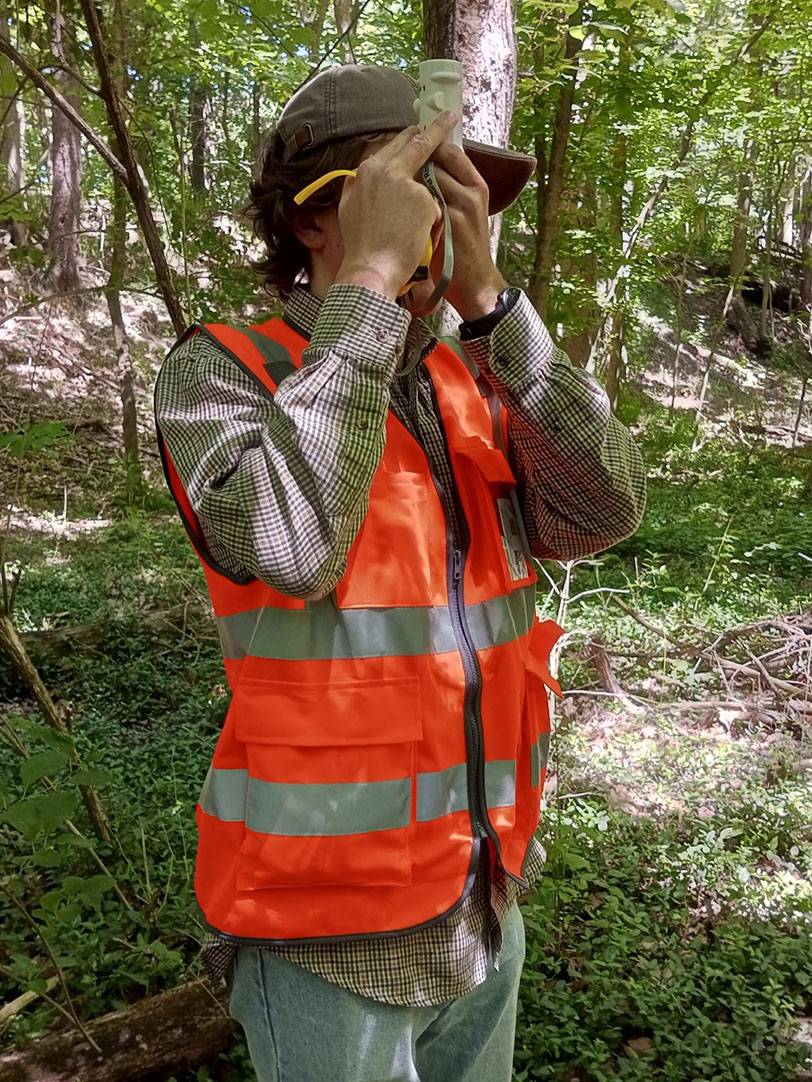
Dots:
pixel 352 488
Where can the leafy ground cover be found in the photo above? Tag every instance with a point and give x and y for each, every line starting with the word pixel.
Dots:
pixel 670 937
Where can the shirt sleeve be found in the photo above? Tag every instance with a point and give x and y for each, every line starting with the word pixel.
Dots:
pixel 280 483
pixel 581 480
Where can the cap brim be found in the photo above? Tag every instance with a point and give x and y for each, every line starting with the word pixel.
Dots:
pixel 506 172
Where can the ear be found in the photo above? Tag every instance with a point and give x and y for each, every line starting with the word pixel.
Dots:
pixel 308 226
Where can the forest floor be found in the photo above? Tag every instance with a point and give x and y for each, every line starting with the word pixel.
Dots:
pixel 671 935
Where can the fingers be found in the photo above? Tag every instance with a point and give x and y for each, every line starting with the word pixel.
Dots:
pixel 458 165
pixel 394 146
pixel 465 195
pixel 422 144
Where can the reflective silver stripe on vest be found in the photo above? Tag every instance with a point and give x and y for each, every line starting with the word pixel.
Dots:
pixel 223 794
pixel 538 757
pixel 440 792
pixel 299 809
pixel 500 783
pixel 327 809
pixel 321 633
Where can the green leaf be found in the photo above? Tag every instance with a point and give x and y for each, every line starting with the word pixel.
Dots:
pixel 38 814
pixel 42 763
pixel 35 437
pixel 94 887
pixel 74 840
pixel 49 736
pixel 48 858
pixel 91 777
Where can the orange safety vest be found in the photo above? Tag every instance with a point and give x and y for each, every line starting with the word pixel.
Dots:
pixel 376 735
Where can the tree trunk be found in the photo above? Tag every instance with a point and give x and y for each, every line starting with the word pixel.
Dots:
pixel 678 331
pixel 313 20
pixel 345 13
pixel 12 142
pixel 577 342
pixel 198 95
pixel 489 87
pixel 256 131
pixel 62 275
pixel 118 248
pixel 806 235
pixel 135 181
pixel 800 410
pixel 788 219
pixel 549 195
pixel 765 338
pixel 738 244
pixel 615 332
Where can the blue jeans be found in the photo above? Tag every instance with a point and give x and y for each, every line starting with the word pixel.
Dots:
pixel 301 1028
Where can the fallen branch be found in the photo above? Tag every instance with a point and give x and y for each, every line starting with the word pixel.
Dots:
pixel 711 655
pixel 175 1031
pixel 599 658
pixel 19 1003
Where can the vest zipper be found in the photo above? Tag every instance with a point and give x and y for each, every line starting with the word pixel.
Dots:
pixel 477 800
pixel 475 768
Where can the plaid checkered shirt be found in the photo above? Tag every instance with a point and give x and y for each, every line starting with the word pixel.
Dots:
pixel 303 459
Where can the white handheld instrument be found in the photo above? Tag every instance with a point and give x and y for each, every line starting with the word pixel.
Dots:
pixel 440 89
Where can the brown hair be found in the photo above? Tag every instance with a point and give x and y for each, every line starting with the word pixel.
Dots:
pixel 272 212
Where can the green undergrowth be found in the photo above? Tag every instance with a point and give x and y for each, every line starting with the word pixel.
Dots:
pixel 669 937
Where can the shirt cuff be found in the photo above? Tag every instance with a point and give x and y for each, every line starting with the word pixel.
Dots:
pixel 517 349
pixel 354 318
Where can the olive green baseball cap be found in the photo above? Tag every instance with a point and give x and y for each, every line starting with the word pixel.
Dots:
pixel 354 99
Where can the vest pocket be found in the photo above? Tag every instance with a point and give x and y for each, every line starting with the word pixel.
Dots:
pixel 491 480
pixel 393 560
pixel 330 780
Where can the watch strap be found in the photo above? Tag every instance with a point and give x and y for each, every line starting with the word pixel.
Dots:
pixel 484 325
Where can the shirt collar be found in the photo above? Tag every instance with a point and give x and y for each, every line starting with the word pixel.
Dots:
pixel 302 311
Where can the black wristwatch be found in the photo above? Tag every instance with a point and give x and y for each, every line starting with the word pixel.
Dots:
pixel 476 328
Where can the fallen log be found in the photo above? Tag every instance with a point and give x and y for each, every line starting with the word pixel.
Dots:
pixel 176 1030
pixel 89 638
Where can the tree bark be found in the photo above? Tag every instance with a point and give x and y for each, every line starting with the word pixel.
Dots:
pixel 313 20
pixel 482 37
pixel 172 1032
pixel 256 131
pixel 12 144
pixel 128 171
pixel 744 197
pixel 198 95
pixel 62 275
pixel 125 376
pixel 615 335
pixel 549 195
pixel 764 335
pixel 788 217
pixel 135 183
pixel 806 236
pixel 345 12
pixel 577 341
